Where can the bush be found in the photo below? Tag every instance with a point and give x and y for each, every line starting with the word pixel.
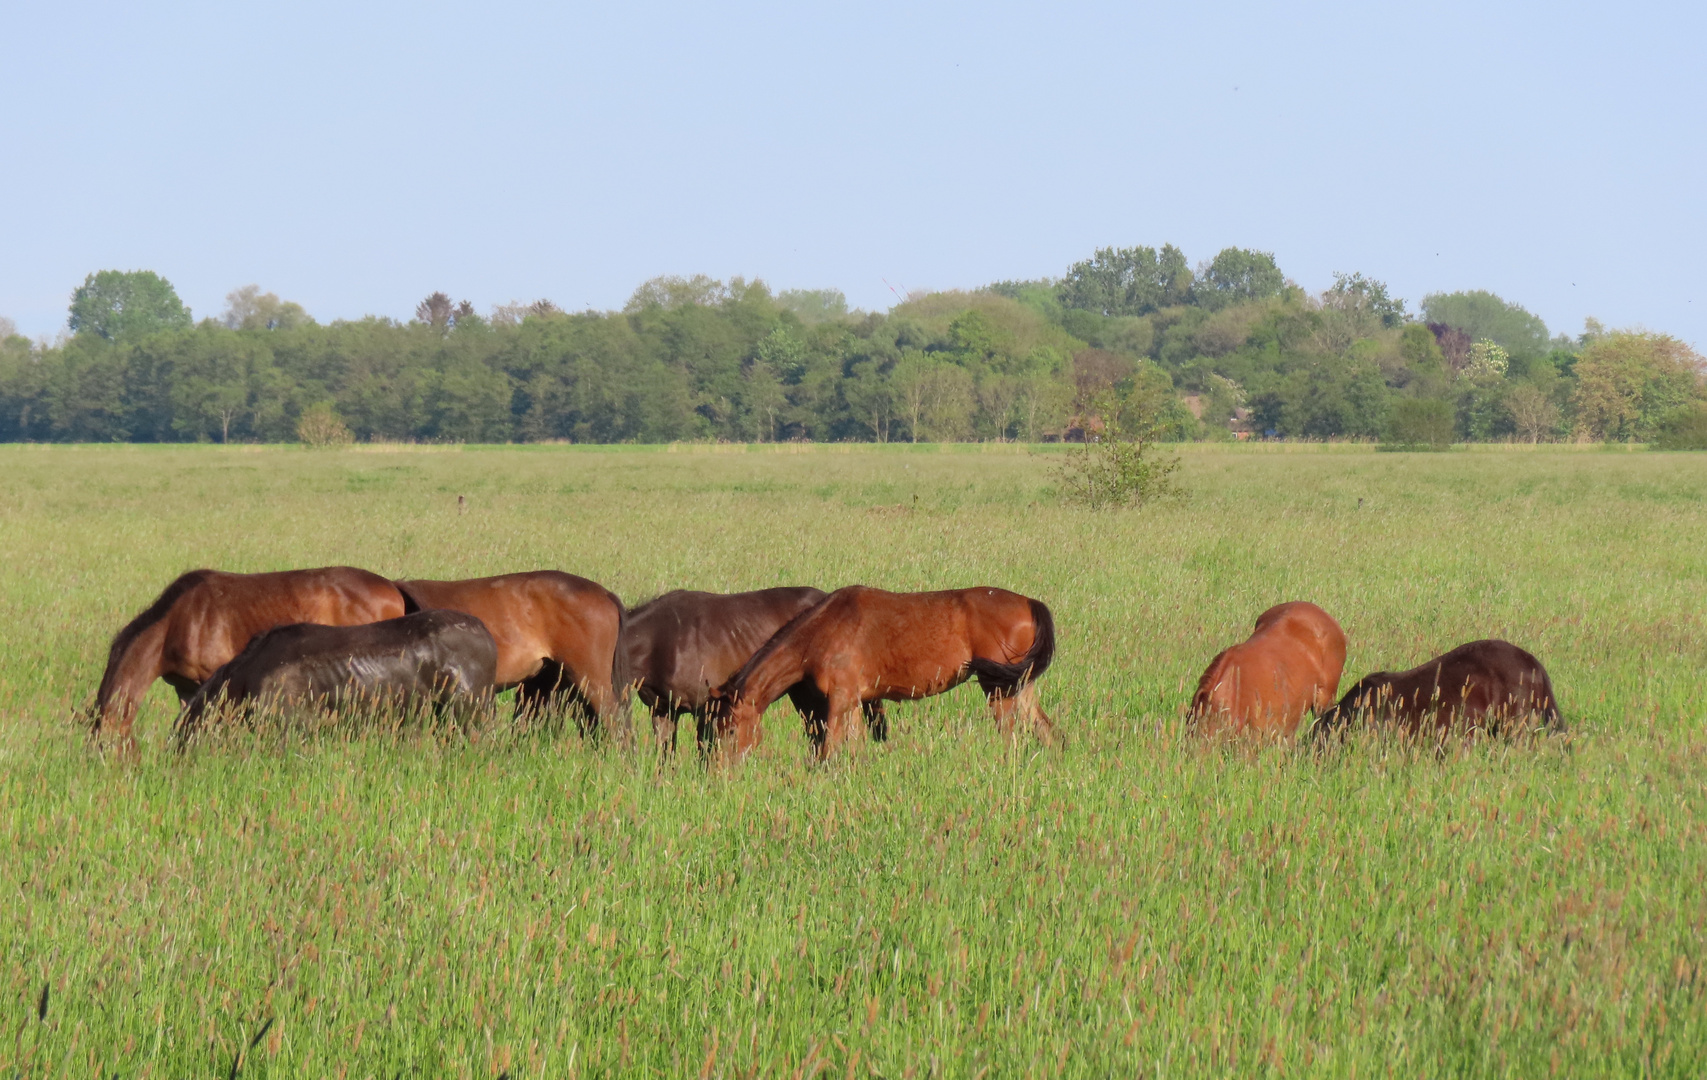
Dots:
pixel 321 425
pixel 1121 467
pixel 1420 424
pixel 1685 429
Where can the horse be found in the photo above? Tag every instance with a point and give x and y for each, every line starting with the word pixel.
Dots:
pixel 436 657
pixel 206 617
pixel 862 644
pixel 1481 684
pixel 1291 664
pixel 556 634
pixel 679 646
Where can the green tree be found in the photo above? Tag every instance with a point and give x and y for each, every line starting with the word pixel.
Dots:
pixel 1238 275
pixel 1128 281
pixel 120 305
pixel 813 306
pixel 248 308
pixel 1483 315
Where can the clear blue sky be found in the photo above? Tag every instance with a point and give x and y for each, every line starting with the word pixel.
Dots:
pixel 356 156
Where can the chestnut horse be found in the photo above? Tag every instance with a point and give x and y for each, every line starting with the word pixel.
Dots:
pixel 556 633
pixel 1290 665
pixel 679 646
pixel 442 658
pixel 206 617
pixel 862 644
pixel 1481 684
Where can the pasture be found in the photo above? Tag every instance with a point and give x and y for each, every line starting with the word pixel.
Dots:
pixel 946 904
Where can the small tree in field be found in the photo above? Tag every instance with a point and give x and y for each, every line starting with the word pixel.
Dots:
pixel 320 425
pixel 1120 466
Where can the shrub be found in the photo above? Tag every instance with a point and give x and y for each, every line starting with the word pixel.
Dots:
pixel 1685 429
pixel 1120 466
pixel 1420 424
pixel 320 425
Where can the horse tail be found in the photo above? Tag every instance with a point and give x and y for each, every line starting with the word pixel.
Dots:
pixel 1028 668
pixel 126 639
pixel 619 673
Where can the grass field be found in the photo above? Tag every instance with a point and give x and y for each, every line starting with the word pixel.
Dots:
pixel 942 905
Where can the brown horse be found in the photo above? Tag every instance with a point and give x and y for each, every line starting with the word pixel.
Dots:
pixel 206 617
pixel 1289 665
pixel 863 644
pixel 556 633
pixel 1482 684
pixel 443 658
pixel 679 646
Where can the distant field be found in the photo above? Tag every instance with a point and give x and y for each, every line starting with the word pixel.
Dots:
pixel 944 904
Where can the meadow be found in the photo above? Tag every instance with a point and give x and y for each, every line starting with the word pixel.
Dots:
pixel 945 904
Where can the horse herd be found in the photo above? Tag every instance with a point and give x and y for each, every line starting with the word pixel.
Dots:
pixel 338 636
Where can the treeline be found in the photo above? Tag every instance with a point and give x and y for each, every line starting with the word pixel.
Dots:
pixel 1228 349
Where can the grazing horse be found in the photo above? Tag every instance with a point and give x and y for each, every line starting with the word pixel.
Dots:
pixel 679 646
pixel 1481 685
pixel 1264 685
pixel 425 657
pixel 206 617
pixel 556 633
pixel 863 644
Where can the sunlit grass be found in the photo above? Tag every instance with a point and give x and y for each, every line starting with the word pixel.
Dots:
pixel 407 901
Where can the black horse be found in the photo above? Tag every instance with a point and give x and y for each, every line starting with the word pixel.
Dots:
pixel 680 645
pixel 429 657
pixel 1481 684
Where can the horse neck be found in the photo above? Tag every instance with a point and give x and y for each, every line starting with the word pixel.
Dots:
pixel 771 675
pixel 130 670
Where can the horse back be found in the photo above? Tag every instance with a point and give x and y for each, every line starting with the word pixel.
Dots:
pixel 681 644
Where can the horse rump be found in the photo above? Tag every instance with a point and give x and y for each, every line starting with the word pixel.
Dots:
pixel 996 677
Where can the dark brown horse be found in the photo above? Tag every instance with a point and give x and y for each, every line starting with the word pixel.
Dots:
pixel 1290 665
pixel 677 647
pixel 556 634
pixel 1483 684
pixel 440 658
pixel 863 644
pixel 206 617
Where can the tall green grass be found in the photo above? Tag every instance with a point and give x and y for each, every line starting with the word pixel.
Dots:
pixel 945 904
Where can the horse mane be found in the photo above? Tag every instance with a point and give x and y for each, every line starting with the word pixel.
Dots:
pixel 134 629
pixel 738 681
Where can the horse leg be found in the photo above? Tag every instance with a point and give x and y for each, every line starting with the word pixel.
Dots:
pixel 536 693
pixel 1008 704
pixel 843 723
pixel 876 720
pixel 664 727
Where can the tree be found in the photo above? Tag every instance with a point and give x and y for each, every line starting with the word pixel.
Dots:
pixel 1630 383
pixel 813 306
pixel 1480 314
pixel 1128 281
pixel 1365 296
pixel 120 305
pixel 248 308
pixel 1533 413
pixel 321 426
pixel 8 329
pixel 1238 275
